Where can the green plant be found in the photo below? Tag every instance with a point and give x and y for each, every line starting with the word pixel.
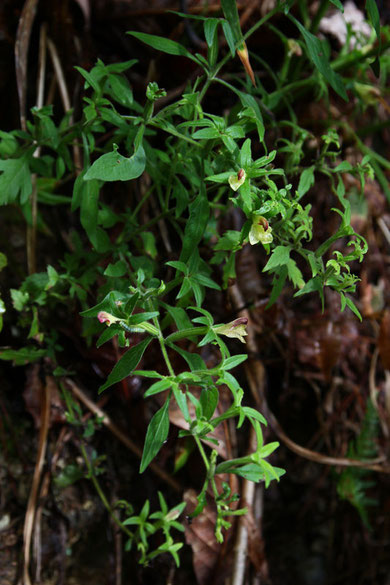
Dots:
pixel 200 167
pixel 353 483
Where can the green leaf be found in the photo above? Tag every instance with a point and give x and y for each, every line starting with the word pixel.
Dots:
pixel 246 154
pixel 234 361
pixel 181 400
pixel 69 475
pixel 294 274
pixel 280 256
pixel 106 304
pixel 255 414
pixel 108 334
pixel 89 79
pixel 267 449
pixel 142 317
pixel 255 473
pixel 185 288
pixel 126 364
pixel 15 180
pixel 250 102
pixel 230 11
pixel 209 399
pixel 196 224
pixel 178 265
pixel 349 302
pixel 306 181
pixel 313 285
pixel 338 5
pixel 8 144
pixel 149 374
pixel 204 281
pixel 3 261
pixel 193 359
pixel 118 269
pixel 343 167
pixel 317 53
pixel 179 315
pixel 374 18
pixel 149 244
pixel 121 90
pixel 157 387
pixel 229 36
pixel 209 27
pixel 22 356
pixel 163 44
pixel 220 178
pixel 155 436
pixel 19 298
pixel 89 208
pixel 206 133
pixel 115 167
pixel 277 284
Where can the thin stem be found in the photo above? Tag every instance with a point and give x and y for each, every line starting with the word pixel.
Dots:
pixel 140 203
pixel 203 454
pixel 101 494
pixel 161 341
pixel 318 17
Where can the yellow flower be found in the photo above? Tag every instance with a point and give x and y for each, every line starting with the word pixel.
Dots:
pixel 260 231
pixel 236 328
pixel 235 181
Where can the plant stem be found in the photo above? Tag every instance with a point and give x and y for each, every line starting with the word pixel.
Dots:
pixel 317 18
pixel 203 454
pixel 101 494
pixel 161 341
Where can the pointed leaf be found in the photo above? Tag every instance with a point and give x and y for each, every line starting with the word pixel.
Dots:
pixel 155 436
pixel 163 44
pixel 128 362
pixel 316 52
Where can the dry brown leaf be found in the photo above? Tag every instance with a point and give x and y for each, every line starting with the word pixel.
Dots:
pixel 199 534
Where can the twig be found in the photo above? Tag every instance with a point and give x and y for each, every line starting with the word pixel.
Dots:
pixel 32 501
pixel 371 379
pixel 248 489
pixel 384 229
pixel 64 96
pixel 241 544
pixel 119 434
pixel 59 74
pixel 23 34
pixel 32 230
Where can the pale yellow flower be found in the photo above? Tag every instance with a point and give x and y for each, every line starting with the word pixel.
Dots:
pixel 260 231
pixel 235 181
pixel 236 328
